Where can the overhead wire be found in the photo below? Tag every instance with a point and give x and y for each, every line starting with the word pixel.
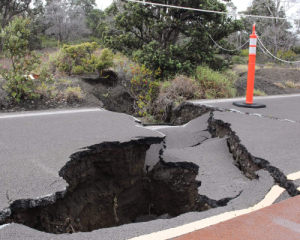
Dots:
pixel 211 11
pixel 264 48
pixel 225 13
pixel 228 50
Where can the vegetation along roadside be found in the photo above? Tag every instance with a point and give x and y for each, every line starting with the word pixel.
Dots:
pixel 130 57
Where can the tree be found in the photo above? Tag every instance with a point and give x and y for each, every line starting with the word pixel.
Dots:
pixel 15 36
pixel 94 19
pixel 276 34
pixel 36 26
pixel 175 40
pixel 9 9
pixel 65 21
pixel 87 5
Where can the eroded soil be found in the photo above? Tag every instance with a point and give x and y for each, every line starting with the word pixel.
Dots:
pixel 271 81
pixel 107 93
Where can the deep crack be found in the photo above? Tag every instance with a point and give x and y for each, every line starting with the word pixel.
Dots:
pixel 199 143
pixel 108 187
pixel 244 160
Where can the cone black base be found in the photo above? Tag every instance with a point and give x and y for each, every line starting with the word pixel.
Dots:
pixel 246 105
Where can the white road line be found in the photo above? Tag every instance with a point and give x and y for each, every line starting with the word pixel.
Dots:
pixel 20 115
pixel 5 225
pixel 154 130
pixel 293 176
pixel 241 99
pixel 269 199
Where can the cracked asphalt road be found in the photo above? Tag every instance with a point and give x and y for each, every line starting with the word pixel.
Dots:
pixel 26 154
pixel 34 148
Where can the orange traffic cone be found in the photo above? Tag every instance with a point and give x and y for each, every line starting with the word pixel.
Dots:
pixel 251 75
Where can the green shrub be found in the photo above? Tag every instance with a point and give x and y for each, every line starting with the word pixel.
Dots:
pixel 154 56
pixel 83 50
pixel 244 53
pixel 289 55
pixel 172 93
pixel 49 42
pixel 80 59
pixel 105 60
pixel 140 82
pixel 206 83
pixel 45 74
pixel 15 36
pixel 214 84
pixel 78 70
pixel 238 60
pixel 46 91
pixel 74 94
pixel 144 88
pixel 218 63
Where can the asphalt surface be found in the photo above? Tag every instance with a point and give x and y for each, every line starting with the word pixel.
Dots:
pixel 34 149
pixel 281 106
pixel 192 143
pixel 270 133
pixel 219 177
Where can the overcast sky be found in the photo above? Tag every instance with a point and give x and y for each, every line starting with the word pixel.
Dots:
pixel 241 4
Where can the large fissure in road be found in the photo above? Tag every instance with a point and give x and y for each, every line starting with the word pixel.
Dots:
pixel 244 160
pixel 108 187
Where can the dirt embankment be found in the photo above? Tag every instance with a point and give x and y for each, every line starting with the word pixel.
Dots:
pixel 98 91
pixel 272 81
pixel 108 93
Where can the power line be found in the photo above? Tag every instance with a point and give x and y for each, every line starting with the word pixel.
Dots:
pixel 211 11
pixel 228 50
pixel 273 55
pixel 225 13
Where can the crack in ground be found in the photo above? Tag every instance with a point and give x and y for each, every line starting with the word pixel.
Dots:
pixel 244 160
pixel 218 203
pixel 108 187
pixel 187 111
pixel 210 203
pixel 259 115
pixel 199 143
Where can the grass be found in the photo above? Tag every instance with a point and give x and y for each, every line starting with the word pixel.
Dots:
pixel 280 85
pixel 74 93
pixel 258 92
pixel 243 67
pixel 215 84
pixel 291 84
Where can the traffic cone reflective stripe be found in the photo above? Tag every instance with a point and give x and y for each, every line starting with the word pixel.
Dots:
pixel 251 75
pixel 251 67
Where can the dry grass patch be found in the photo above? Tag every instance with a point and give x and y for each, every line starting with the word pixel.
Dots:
pixel 258 92
pixel 291 84
pixel 280 85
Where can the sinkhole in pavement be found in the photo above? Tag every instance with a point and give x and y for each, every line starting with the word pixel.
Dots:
pixel 108 186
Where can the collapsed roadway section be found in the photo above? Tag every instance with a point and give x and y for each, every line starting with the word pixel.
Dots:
pixel 171 175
